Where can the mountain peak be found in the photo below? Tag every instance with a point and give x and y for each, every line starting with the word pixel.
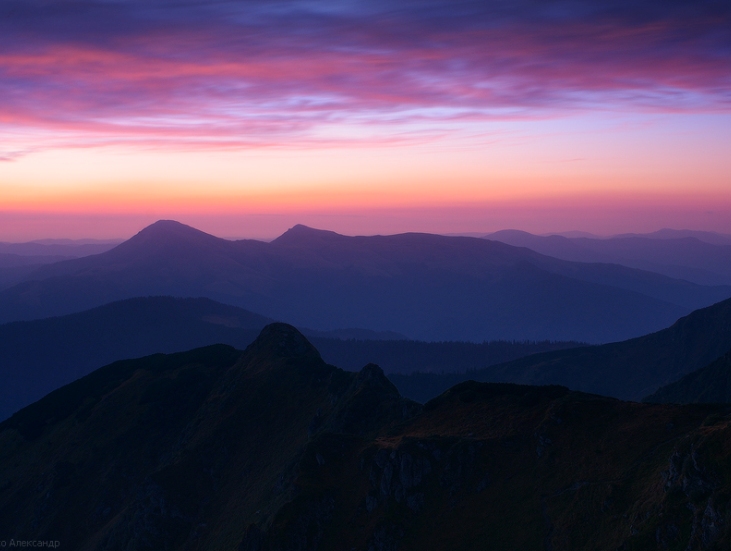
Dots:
pixel 510 233
pixel 170 228
pixel 372 375
pixel 282 340
pixel 300 234
pixel 301 228
pixel 164 234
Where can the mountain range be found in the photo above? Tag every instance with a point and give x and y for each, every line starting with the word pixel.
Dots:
pixel 19 260
pixel 423 286
pixel 39 356
pixel 63 248
pixel 272 449
pixel 700 257
pixel 629 370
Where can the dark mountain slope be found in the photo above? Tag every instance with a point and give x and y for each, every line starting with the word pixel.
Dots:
pixel 39 356
pixel 178 450
pixel 423 286
pixel 630 369
pixel 274 450
pixel 710 385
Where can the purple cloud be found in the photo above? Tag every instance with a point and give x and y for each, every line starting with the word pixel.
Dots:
pixel 257 73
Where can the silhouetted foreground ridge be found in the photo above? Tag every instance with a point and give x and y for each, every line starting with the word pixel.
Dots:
pixel 273 449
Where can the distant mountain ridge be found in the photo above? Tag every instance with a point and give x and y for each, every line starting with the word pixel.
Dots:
pixel 271 449
pixel 67 248
pixel 700 257
pixel 708 385
pixel 15 268
pixel 630 370
pixel 426 287
pixel 19 260
pixel 40 356
pixel 37 357
pixel 714 238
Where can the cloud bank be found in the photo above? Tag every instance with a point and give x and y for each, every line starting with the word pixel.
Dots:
pixel 253 73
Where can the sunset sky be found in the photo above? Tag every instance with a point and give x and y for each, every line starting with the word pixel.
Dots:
pixel 243 118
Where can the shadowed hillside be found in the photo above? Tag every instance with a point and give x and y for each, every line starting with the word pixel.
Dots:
pixel 426 287
pixel 273 449
pixel 39 356
pixel 630 369
pixel 709 385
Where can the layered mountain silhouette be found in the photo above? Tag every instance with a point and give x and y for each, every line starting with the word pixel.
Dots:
pixel 39 356
pixel 423 286
pixel 629 369
pixel 65 248
pixel 407 356
pixel 15 268
pixel 273 449
pixel 710 384
pixel 700 257
pixel 18 260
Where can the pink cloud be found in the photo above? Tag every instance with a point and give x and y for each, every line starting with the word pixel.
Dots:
pixel 260 77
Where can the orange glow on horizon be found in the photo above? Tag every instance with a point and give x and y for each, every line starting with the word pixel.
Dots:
pixel 363 117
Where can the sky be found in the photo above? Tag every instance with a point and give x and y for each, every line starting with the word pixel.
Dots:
pixel 244 118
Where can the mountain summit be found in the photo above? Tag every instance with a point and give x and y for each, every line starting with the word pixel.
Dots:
pixel 162 237
pixel 301 234
pixel 426 287
pixel 170 229
pixel 281 340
